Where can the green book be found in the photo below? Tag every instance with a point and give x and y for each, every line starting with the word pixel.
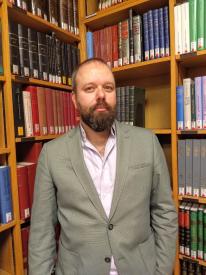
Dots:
pixel 200 232
pixel 200 24
pixel 204 234
pixel 193 230
pixel 193 24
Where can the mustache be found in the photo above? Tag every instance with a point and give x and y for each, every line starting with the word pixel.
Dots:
pixel 101 104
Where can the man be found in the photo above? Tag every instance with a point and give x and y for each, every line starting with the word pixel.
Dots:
pixel 108 185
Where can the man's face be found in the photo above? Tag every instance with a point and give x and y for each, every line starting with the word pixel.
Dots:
pixel 95 97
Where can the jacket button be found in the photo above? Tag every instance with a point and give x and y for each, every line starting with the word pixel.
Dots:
pixel 111 226
pixel 107 260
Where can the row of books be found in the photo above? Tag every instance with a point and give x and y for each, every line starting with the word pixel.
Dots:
pixel 42 111
pixel 189 267
pixel 191 104
pixel 191 167
pixel 63 13
pixel 40 55
pixel 131 105
pixel 190 34
pixel 192 230
pixel 104 4
pixel 132 40
pixel 6 211
pixel 26 170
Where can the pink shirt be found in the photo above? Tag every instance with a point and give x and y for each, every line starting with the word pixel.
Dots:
pixel 102 170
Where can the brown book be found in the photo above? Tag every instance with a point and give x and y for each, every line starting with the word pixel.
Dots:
pixel 25 241
pixel 53 12
pixel 76 17
pixel 115 46
pixel 125 42
pixel 42 111
pixel 23 191
pixel 91 7
pixel 70 16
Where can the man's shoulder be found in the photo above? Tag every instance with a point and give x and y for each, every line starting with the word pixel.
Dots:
pixel 135 130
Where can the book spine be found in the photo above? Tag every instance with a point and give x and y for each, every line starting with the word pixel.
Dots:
pixel 120 61
pixel 18 110
pixel 166 30
pixel 180 107
pixel 193 24
pixel 14 47
pixel 6 213
pixel 151 34
pixel 181 166
pixel 187 230
pixel 187 103
pixel 198 101
pixel 27 113
pixel 193 230
pixel 146 36
pixel 23 50
pixel 181 228
pixel 131 37
pixel 196 167
pixel 125 42
pixel 43 52
pixel 33 53
pixel 127 104
pixel 156 33
pixel 204 234
pixel 137 33
pixel 200 24
pixel 188 173
pixel 118 111
pixel 90 50
pixel 122 103
pixel 193 106
pixel 115 45
pixel 202 168
pixel 200 232
pixel 161 32
pixel 204 101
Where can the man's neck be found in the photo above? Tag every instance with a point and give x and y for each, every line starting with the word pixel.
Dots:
pixel 98 139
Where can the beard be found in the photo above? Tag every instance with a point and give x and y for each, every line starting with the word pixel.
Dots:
pixel 101 121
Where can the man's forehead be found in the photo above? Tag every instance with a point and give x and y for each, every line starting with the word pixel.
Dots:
pixel 86 68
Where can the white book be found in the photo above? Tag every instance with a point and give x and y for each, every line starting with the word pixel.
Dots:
pixel 178 29
pixel 27 113
pixel 187 103
pixel 185 27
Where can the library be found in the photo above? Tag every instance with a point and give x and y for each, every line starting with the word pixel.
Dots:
pixel 156 51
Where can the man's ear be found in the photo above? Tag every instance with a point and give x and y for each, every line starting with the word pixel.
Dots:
pixel 74 100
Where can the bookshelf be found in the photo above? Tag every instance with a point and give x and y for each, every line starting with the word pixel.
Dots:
pixel 11 254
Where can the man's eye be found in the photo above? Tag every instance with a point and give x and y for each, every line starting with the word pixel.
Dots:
pixel 109 88
pixel 89 89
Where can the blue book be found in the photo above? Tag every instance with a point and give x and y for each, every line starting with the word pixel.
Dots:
pixel 90 48
pixel 180 107
pixel 166 31
pixel 151 34
pixel 146 36
pixel 161 32
pixel 156 33
pixel 5 195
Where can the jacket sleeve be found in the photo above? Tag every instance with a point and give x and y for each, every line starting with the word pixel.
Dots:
pixel 42 244
pixel 163 213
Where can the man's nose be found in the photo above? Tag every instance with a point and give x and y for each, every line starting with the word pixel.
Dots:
pixel 100 92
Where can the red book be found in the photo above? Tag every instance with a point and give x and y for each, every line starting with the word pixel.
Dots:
pixel 115 45
pixel 31 170
pixel 62 111
pixel 25 241
pixel 49 111
pixel 54 103
pixel 35 111
pixel 42 110
pixel 69 107
pixel 65 108
pixel 58 102
pixel 23 190
pixel 96 43
pixel 29 152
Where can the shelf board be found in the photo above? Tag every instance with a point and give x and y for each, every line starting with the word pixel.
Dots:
pixel 143 69
pixel 27 139
pixel 119 12
pixel 193 59
pixel 33 21
pixel 191 132
pixel 34 81
pixel 200 262
pixel 4 227
pixel 192 198
pixel 4 151
pixel 162 131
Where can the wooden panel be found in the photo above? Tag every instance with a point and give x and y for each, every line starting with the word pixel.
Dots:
pixel 157 109
pixel 36 138
pixel 4 227
pixel 30 20
pixel 193 199
pixel 6 252
pixel 4 151
pixel 192 59
pixel 120 12
pixel 2 130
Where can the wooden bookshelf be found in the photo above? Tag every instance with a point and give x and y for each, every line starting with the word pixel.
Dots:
pixel 200 262
pixel 33 81
pixel 4 151
pixel 193 199
pixel 3 272
pixel 193 59
pixel 36 138
pixel 162 131
pixel 40 24
pixel 4 227
pixel 191 132
pixel 2 78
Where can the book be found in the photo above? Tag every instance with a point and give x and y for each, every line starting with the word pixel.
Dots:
pixel 18 110
pixel 33 53
pixel 125 42
pixel 63 14
pixel 23 50
pixel 188 171
pixel 180 107
pixel 14 47
pixel 6 212
pixel 204 102
pixel 27 113
pixel 137 34
pixel 181 166
pixel 43 54
pixel 166 30
pixel 53 12
pixel 193 24
pixel 187 82
pixel 151 34
pixel 146 36
pixel 198 102
pixel 202 168
pixel 89 39
pixel 196 167
pixel 193 230
pixel 200 24
pixel 42 111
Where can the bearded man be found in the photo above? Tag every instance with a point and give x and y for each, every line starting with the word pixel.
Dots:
pixel 108 186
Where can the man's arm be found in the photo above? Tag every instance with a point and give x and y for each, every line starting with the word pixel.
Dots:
pixel 163 214
pixel 42 244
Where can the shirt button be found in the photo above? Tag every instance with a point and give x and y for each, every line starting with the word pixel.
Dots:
pixel 107 260
pixel 111 226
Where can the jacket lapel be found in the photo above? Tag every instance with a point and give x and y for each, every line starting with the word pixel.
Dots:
pixel 123 151
pixel 81 171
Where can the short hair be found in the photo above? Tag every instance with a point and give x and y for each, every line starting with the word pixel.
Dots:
pixel 87 61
